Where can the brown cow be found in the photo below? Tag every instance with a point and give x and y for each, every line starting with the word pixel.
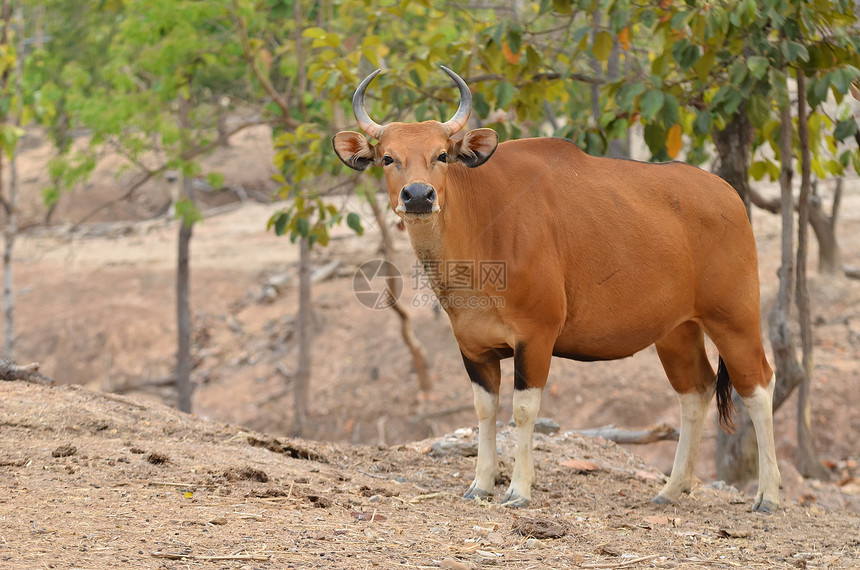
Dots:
pixel 603 258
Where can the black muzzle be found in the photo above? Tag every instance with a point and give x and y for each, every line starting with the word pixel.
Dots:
pixel 418 198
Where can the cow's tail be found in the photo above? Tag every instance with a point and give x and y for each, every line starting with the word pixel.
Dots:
pixel 725 406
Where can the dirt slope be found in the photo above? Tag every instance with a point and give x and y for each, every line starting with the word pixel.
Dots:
pixel 98 481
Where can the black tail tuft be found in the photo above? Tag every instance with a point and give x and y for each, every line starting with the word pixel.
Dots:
pixel 724 398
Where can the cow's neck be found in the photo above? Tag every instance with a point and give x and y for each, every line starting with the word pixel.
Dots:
pixel 427 238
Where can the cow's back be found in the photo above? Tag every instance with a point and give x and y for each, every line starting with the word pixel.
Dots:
pixel 619 249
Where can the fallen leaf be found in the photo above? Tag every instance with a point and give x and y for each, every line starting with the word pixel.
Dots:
pixel 657 520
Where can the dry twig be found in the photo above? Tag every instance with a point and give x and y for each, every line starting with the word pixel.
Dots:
pixel 180 556
pixel 624 564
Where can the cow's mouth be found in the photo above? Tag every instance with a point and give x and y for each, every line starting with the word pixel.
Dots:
pixel 416 215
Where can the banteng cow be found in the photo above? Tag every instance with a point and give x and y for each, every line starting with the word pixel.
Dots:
pixel 602 258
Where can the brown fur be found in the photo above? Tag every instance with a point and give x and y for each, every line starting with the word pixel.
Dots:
pixel 603 257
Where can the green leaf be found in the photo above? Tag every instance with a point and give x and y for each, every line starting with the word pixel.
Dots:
pixel 504 94
pixel 281 223
pixel 758 169
pixel 737 73
pixel 705 65
pixel 794 51
pixel 758 66
pixel 514 39
pixel 562 6
pixel 703 122
pixel 655 138
pixel 302 226
pixel 845 129
pixel 839 81
pixel 480 105
pixel 215 180
pixel 602 47
pixel 651 103
pixel 353 220
pixel 758 110
pixel 188 212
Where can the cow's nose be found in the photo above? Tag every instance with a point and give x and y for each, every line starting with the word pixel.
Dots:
pixel 418 198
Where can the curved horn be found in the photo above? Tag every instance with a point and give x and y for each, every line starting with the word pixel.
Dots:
pixel 458 121
pixel 366 124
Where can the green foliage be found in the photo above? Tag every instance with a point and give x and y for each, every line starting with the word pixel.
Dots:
pixel 147 76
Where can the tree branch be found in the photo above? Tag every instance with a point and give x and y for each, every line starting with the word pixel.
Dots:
pixel 150 174
pixel 10 372
pixel 544 76
pixel 251 58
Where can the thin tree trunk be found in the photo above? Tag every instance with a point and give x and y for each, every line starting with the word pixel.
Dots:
pixel 12 220
pixel 829 253
pixel 618 148
pixel 807 463
pixel 183 317
pixel 301 380
pixel 419 355
pixel 597 68
pixel 183 280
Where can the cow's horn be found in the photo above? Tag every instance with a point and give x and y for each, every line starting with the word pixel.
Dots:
pixel 458 121
pixel 366 124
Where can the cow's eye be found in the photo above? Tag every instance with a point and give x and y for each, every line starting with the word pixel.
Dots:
pixel 386 160
pixel 443 157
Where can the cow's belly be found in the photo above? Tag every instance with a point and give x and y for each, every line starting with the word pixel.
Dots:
pixel 614 336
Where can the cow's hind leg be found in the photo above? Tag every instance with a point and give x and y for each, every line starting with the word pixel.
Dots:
pixel 752 377
pixel 682 353
pixel 486 378
pixel 531 367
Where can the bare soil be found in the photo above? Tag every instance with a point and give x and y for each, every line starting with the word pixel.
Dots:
pixel 95 306
pixel 93 480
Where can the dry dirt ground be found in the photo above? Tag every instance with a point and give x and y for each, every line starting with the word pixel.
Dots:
pixel 95 306
pixel 91 480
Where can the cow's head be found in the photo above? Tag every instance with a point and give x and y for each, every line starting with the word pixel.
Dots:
pixel 415 156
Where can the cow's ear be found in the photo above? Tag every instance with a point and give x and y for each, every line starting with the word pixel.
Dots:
pixel 353 149
pixel 476 147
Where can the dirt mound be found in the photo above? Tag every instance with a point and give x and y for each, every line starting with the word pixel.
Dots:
pixel 101 481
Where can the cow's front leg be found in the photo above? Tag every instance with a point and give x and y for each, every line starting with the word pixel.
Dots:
pixel 486 378
pixel 531 367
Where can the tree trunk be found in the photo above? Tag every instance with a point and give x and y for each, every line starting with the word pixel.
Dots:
pixel 734 147
pixel 829 253
pixel 11 204
pixel 301 380
pixel 618 148
pixel 736 453
pixel 183 278
pixel 807 463
pixel 183 318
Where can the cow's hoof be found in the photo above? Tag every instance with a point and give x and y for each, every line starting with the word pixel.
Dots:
pixel 473 492
pixel 764 506
pixel 661 500
pixel 515 501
